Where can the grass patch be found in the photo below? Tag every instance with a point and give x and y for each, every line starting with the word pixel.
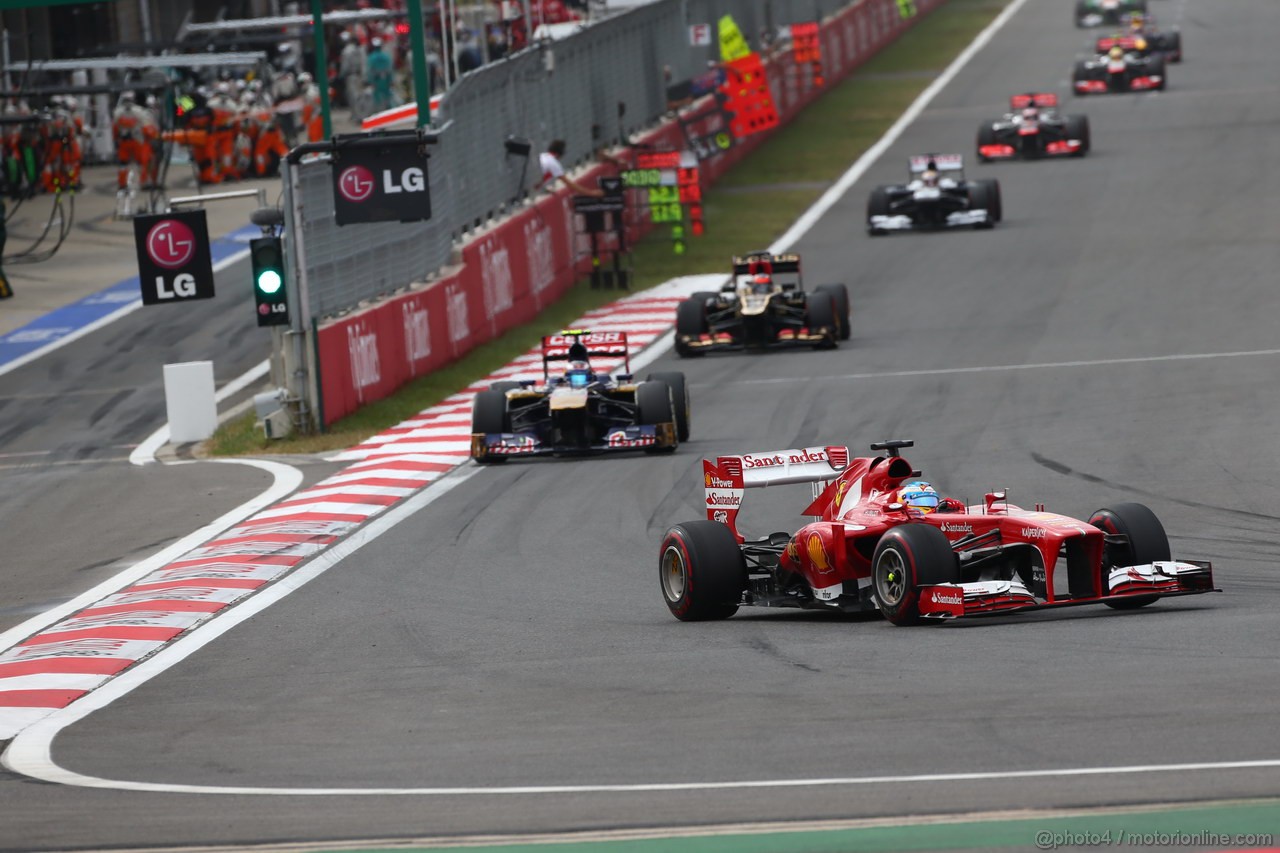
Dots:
pixel 816 147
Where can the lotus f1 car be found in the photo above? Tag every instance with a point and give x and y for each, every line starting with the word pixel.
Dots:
pixel 578 410
pixel 866 549
pixel 1033 128
pixel 935 196
pixel 1098 13
pixel 763 306
pixel 1119 70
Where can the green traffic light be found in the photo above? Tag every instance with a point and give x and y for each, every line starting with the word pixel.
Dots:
pixel 269 281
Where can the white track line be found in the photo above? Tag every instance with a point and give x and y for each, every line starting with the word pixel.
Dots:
pixel 1001 368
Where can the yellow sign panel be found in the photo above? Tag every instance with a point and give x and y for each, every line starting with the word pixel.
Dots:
pixel 732 44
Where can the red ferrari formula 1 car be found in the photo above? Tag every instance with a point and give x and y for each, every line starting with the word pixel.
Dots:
pixel 882 539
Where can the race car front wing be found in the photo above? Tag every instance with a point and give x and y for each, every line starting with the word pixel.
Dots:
pixel 957 219
pixel 1165 579
pixel 637 437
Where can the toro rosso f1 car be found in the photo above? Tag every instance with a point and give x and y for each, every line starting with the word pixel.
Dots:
pixel 578 410
pixel 1033 128
pixel 1119 70
pixel 936 195
pixel 763 306
pixel 1144 43
pixel 867 548
pixel 1098 13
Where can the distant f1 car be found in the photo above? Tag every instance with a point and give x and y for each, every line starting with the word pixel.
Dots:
pixel 935 196
pixel 579 410
pixel 868 549
pixel 1033 128
pixel 1144 43
pixel 1119 70
pixel 763 306
pixel 1099 13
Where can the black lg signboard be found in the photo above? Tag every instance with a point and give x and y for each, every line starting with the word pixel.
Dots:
pixel 173 257
pixel 373 183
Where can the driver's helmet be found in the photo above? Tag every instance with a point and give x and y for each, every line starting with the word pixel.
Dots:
pixel 761 283
pixel 578 375
pixel 1116 52
pixel 1030 114
pixel 918 495
pixel 1137 21
pixel 929 177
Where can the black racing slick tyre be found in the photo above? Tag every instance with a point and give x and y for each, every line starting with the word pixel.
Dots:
pixel 703 295
pixel 489 415
pixel 1081 72
pixel 679 397
pixel 504 386
pixel 840 294
pixel 654 406
pixel 1078 128
pixel 1082 9
pixel 908 557
pixel 1173 46
pixel 1158 67
pixel 997 203
pixel 877 205
pixel 701 571
pixel 691 321
pixel 821 309
pixel 1148 543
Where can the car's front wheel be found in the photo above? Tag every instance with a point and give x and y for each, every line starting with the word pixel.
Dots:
pixel 1147 543
pixel 906 558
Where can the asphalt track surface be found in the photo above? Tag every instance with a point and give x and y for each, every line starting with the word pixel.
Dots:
pixel 513 634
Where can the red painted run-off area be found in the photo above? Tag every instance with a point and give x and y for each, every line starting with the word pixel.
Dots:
pixel 519 267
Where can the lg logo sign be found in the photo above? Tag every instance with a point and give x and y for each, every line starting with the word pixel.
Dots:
pixel 373 184
pixel 173 257
pixel 355 184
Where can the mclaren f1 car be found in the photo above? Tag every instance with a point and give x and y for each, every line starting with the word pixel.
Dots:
pixel 763 306
pixel 1033 128
pixel 935 196
pixel 882 540
pixel 1119 70
pixel 579 410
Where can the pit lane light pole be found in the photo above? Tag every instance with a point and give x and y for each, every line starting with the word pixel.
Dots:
pixel 322 65
pixel 418 39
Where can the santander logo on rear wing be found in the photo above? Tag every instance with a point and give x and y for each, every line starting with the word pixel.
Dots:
pixel 727 479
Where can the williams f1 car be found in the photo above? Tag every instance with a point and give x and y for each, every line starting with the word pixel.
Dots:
pixel 869 548
pixel 763 306
pixel 1033 128
pixel 1100 13
pixel 1119 70
pixel 578 410
pixel 936 195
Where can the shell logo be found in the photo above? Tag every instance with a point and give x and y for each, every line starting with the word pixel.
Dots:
pixel 708 476
pixel 818 555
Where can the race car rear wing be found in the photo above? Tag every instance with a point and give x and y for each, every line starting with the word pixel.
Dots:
pixel 582 344
pixel 727 479
pixel 941 162
pixel 785 269
pixel 1041 100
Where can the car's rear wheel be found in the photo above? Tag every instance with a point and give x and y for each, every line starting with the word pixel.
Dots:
pixel 691 321
pixel 906 558
pixel 1148 543
pixel 489 416
pixel 679 386
pixel 701 570
pixel 840 294
pixel 821 312
pixel 1078 128
pixel 1173 47
pixel 1082 9
pixel 654 406
pixel 877 205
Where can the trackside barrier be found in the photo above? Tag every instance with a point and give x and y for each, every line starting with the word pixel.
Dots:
pixel 512 270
